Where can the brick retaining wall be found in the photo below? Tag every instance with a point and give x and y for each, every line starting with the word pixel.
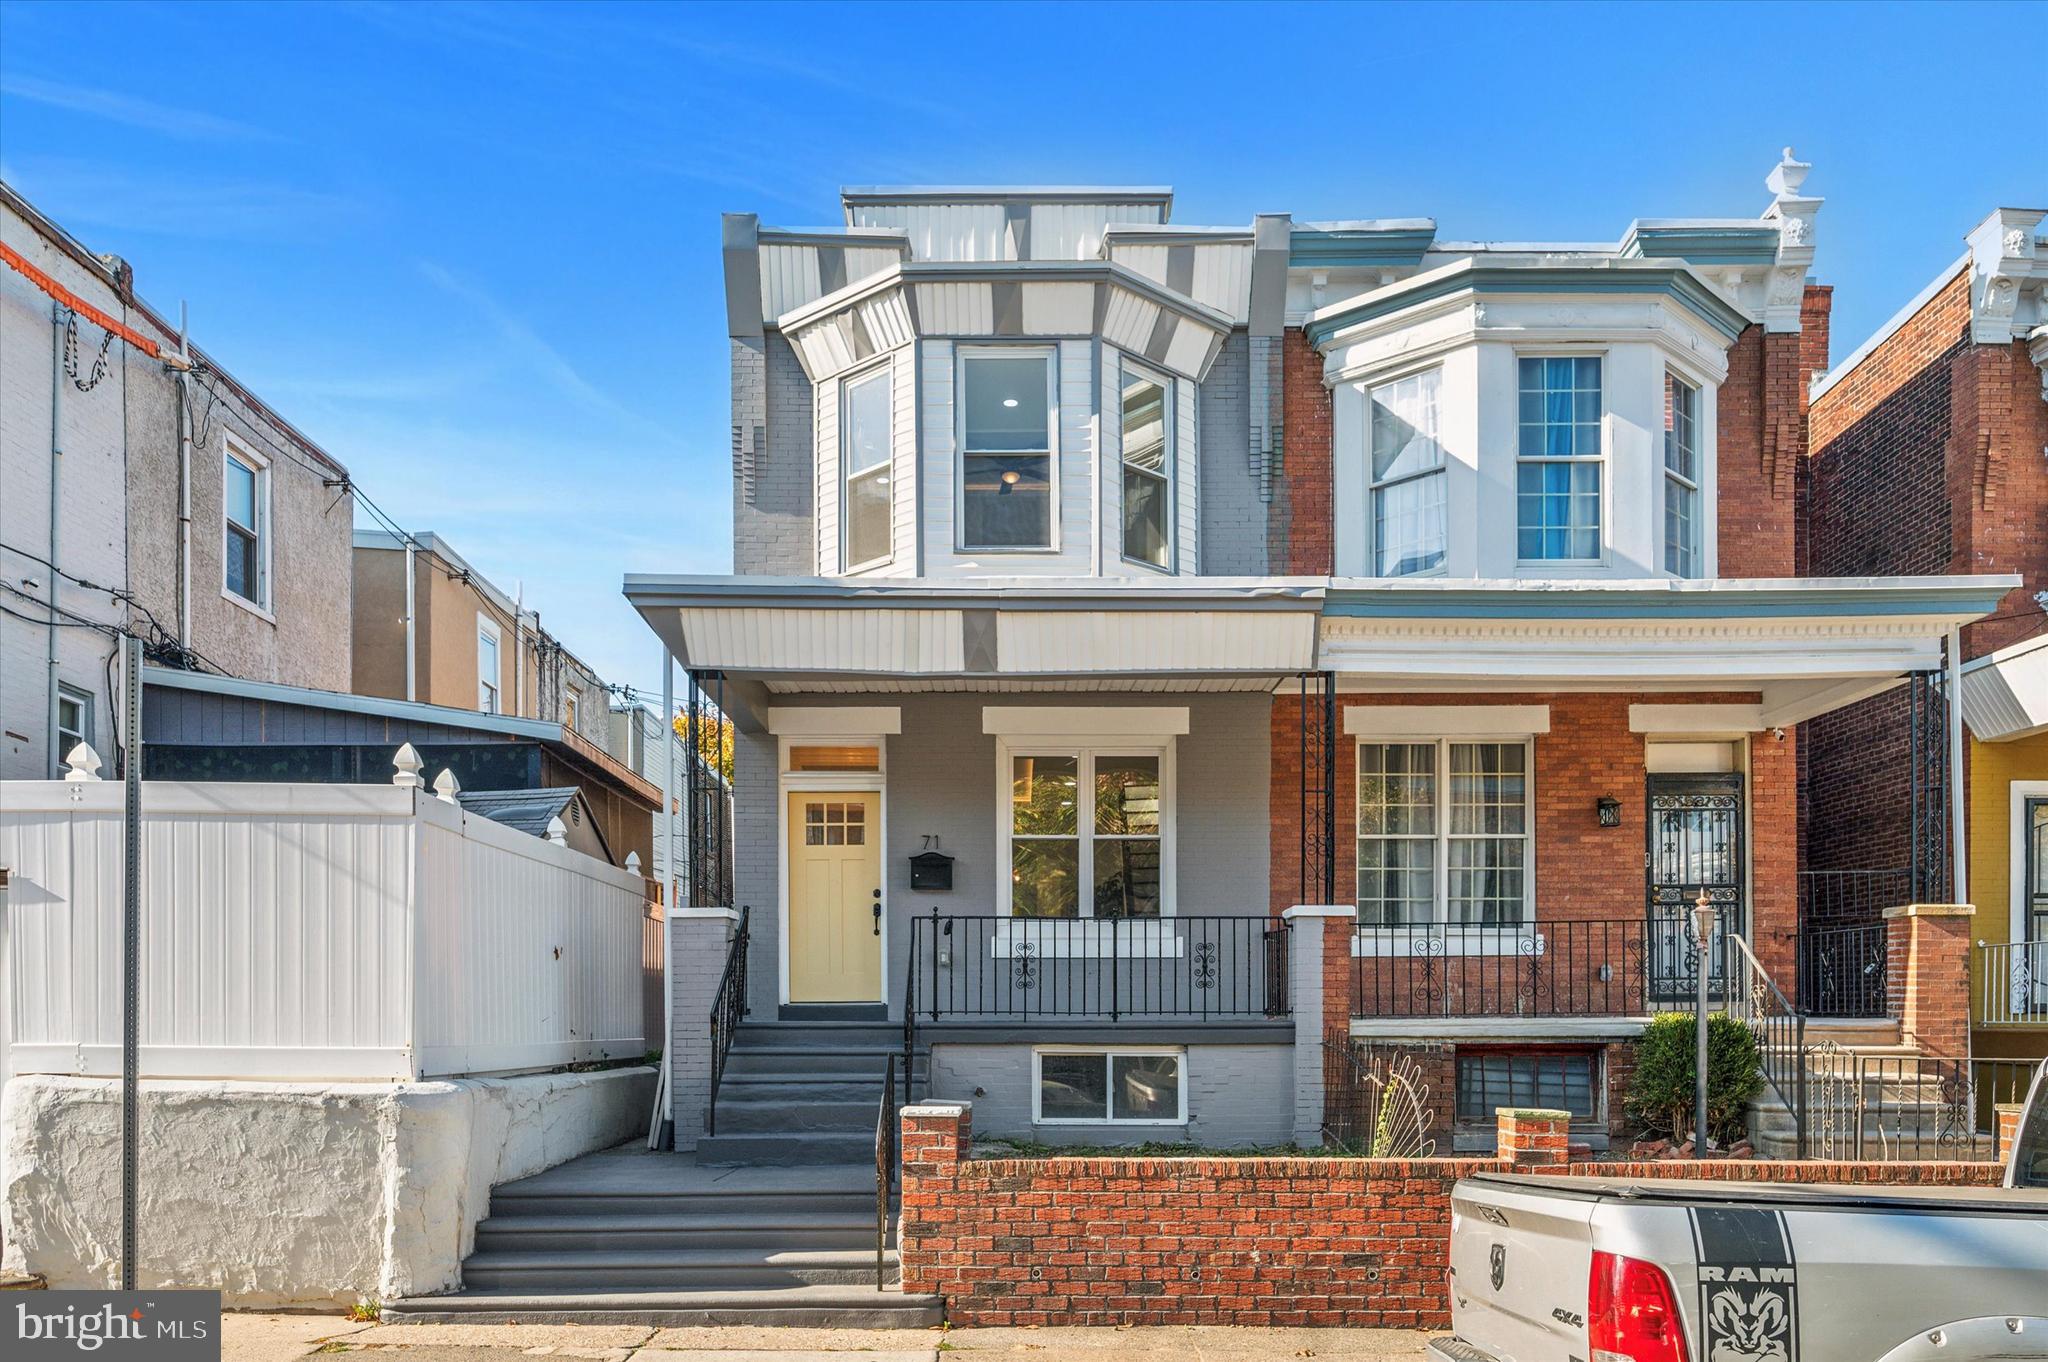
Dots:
pixel 1252 1241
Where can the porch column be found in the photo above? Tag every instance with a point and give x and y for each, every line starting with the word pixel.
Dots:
pixel 1927 975
pixel 698 939
pixel 1319 990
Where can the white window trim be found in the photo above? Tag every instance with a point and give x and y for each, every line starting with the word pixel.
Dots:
pixel 485 625
pixel 87 731
pixel 963 355
pixel 1169 417
pixel 1108 1053
pixel 235 450
pixel 1374 485
pixel 1475 938
pixel 884 371
pixel 788 782
pixel 1696 484
pixel 1072 940
pixel 2016 834
pixel 1604 461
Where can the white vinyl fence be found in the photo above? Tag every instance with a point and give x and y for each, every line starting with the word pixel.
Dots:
pixel 312 932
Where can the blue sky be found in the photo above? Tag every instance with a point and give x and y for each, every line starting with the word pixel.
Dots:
pixel 473 250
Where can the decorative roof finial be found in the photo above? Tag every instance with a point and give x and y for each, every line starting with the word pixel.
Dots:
pixel 1786 177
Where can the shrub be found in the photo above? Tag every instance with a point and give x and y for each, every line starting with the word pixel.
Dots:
pixel 1661 1095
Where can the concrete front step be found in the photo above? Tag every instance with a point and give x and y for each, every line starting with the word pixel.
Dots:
pixel 851 1229
pixel 787 1150
pixel 1847 1031
pixel 738 1085
pixel 843 1307
pixel 747 1116
pixel 675 1269
pixel 838 1060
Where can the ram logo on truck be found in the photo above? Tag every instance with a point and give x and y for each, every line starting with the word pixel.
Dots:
pixel 1748 1285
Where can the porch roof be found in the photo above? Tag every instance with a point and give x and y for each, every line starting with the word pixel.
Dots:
pixel 1805 645
pixel 2005 694
pixel 812 633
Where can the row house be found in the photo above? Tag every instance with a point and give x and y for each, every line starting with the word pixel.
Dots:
pixel 1165 657
pixel 1930 455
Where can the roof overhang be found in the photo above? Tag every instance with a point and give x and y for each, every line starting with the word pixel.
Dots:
pixel 1805 646
pixel 915 633
pixel 2005 694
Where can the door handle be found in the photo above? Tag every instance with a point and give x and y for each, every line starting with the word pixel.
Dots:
pixel 878 912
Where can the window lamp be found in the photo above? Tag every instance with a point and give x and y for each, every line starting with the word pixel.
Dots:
pixel 1681 477
pixel 1147 469
pixel 1407 490
pixel 865 439
pixel 1559 449
pixel 1006 468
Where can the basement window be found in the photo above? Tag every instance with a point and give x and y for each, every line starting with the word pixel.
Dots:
pixel 1108 1087
pixel 1560 1081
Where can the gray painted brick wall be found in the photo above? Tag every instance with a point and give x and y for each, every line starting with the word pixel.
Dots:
pixel 1233 516
pixel 773 484
pixel 697 949
pixel 1238 1095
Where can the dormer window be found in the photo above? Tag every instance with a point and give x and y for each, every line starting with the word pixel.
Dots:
pixel 1006 463
pixel 1681 477
pixel 866 429
pixel 1148 469
pixel 1557 483
pixel 1408 530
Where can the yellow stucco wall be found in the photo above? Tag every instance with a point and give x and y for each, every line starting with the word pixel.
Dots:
pixel 1994 766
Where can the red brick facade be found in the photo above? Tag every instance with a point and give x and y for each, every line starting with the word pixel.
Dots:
pixel 1925 458
pixel 1306 542
pixel 1583 871
pixel 1270 1242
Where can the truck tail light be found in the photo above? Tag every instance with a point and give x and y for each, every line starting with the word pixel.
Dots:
pixel 1632 1312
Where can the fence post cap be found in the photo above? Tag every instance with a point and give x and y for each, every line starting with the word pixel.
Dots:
pixel 558 832
pixel 446 786
pixel 633 862
pixel 1932 910
pixel 407 766
pixel 1301 910
pixel 84 764
pixel 938 1109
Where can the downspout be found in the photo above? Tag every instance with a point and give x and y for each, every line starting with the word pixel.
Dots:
pixel 56 758
pixel 184 484
pixel 411 639
pixel 519 650
pixel 1959 878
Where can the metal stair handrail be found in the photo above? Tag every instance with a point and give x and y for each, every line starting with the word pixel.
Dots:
pixel 885 1169
pixel 1755 999
pixel 728 1006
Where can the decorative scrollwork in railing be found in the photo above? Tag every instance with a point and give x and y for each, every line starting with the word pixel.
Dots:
pixel 1205 964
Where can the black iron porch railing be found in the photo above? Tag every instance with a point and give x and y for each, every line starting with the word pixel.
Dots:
pixel 976 969
pixel 1842 971
pixel 1607 967
pixel 1850 898
pixel 885 1167
pixel 1780 1029
pixel 728 1006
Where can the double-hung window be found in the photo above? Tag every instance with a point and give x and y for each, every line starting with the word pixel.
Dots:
pixel 74 722
pixel 245 530
pixel 1681 477
pixel 488 673
pixel 1086 832
pixel 865 427
pixel 1407 476
pixel 1147 467
pixel 1557 476
pixel 1443 832
pixel 1006 471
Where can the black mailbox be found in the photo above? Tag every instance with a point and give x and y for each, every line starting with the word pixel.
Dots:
pixel 931 870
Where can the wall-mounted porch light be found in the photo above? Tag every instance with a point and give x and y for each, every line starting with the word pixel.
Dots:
pixel 1610 811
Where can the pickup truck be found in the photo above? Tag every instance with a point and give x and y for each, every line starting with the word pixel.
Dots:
pixel 1591 1269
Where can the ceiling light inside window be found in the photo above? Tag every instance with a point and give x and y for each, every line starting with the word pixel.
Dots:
pixel 1009 401
pixel 1010 477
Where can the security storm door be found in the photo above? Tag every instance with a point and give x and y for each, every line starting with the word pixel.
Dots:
pixel 2031 968
pixel 1695 844
pixel 835 896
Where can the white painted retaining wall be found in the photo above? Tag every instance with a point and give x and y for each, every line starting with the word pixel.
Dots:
pixel 305 932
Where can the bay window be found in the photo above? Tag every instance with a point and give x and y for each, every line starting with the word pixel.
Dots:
pixel 1147 468
pixel 1443 832
pixel 1558 454
pixel 867 408
pixel 1408 478
pixel 1085 832
pixel 1681 477
pixel 1006 449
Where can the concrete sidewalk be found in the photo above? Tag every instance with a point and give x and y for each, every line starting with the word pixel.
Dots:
pixel 283 1338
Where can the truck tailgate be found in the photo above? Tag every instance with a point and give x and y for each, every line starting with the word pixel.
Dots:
pixel 1519 1265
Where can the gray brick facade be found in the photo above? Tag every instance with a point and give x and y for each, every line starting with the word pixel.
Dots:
pixel 1233 516
pixel 773 487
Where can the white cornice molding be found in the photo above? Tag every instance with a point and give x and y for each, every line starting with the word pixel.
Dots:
pixel 2006 264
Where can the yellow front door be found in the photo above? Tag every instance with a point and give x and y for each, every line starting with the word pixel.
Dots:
pixel 835 881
